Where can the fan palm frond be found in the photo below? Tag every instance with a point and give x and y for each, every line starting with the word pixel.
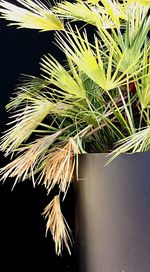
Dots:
pixel 26 120
pixel 96 62
pixel 29 86
pixel 23 166
pixel 79 51
pixel 57 225
pixel 61 78
pixel 110 14
pixel 78 11
pixel 134 41
pixel 32 14
pixel 128 46
pixel 58 167
pixel 137 142
pixel 141 2
pixel 113 10
pixel 93 1
pixel 143 87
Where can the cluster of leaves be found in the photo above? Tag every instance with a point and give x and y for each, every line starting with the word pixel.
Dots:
pixel 98 102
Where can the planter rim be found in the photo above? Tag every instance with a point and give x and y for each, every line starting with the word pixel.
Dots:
pixel 107 154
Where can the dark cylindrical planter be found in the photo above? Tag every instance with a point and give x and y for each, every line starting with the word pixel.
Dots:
pixel 113 214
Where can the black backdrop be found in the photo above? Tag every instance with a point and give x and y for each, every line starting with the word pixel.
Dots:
pixel 23 245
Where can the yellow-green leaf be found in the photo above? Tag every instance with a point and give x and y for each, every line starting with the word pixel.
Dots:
pixel 34 15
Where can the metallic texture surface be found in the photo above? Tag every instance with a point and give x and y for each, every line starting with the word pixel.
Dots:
pixel 113 213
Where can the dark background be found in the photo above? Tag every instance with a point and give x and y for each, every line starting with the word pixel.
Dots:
pixel 23 245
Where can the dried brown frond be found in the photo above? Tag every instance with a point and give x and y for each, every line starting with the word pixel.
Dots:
pixel 58 167
pixel 57 225
pixel 24 166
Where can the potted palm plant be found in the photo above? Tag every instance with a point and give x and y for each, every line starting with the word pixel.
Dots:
pixel 95 105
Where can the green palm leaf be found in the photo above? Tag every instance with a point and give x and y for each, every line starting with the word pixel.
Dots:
pixel 141 2
pixel 78 11
pixel 143 88
pixel 110 14
pixel 29 87
pixel 57 75
pixel 27 119
pixel 34 14
pixel 96 61
pixel 137 142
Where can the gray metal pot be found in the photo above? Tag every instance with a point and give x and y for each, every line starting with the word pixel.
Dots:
pixel 113 214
